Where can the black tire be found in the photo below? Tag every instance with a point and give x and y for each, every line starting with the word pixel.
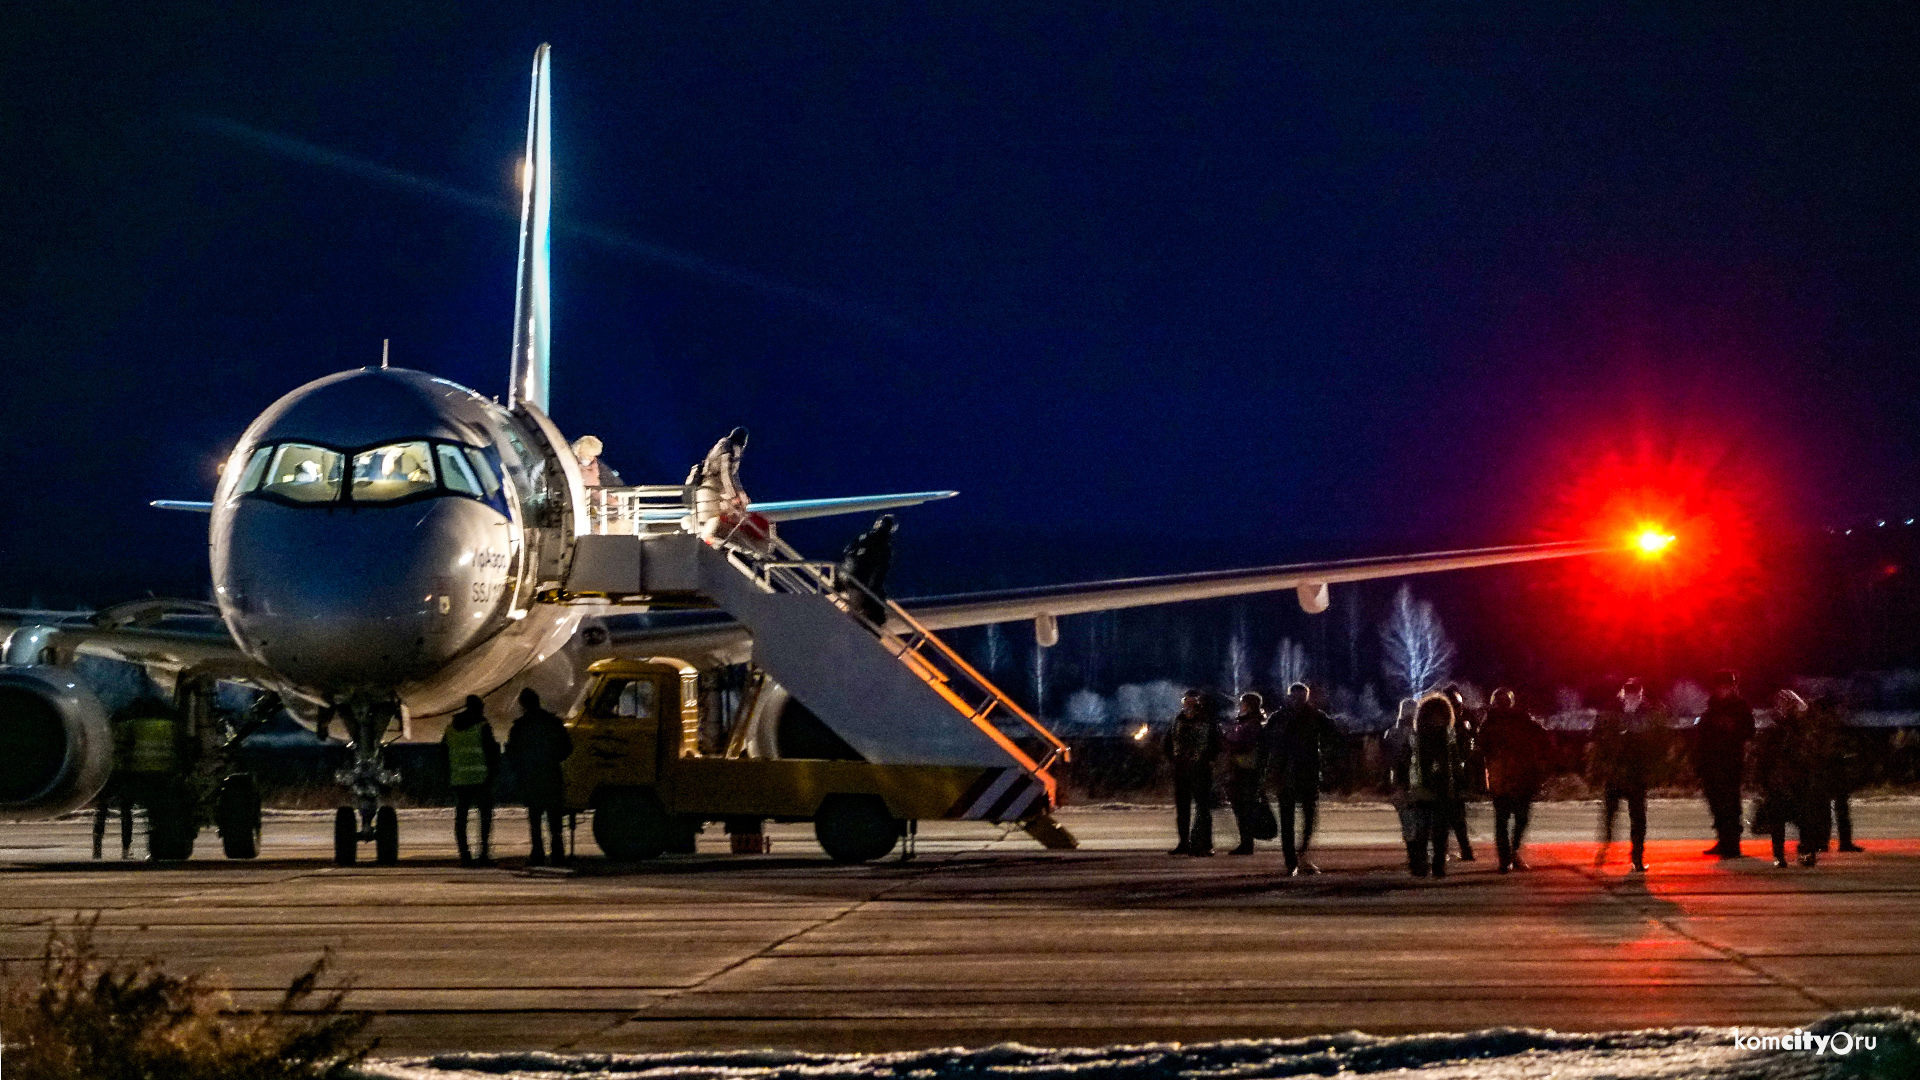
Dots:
pixel 683 837
pixel 171 824
pixel 856 828
pixel 630 825
pixel 386 836
pixel 346 837
pixel 237 816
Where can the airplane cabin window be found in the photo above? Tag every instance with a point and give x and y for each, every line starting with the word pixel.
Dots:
pixel 256 470
pixel 303 473
pixel 391 472
pixel 456 472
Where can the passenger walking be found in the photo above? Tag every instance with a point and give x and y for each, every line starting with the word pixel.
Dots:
pixel 866 560
pixel 1430 774
pixel 1516 749
pixel 1787 760
pixel 536 746
pixel 1241 742
pixel 1395 745
pixel 473 764
pixel 1466 734
pixel 1191 745
pixel 1842 773
pixel 1719 757
pixel 1298 734
pixel 1626 745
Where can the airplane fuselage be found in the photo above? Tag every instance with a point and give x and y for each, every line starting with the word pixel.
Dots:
pixel 381 532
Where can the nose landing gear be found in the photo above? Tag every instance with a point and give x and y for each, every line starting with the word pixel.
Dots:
pixel 367 780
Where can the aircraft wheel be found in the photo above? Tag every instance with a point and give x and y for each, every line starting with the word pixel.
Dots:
pixel 386 836
pixel 856 828
pixel 631 826
pixel 238 816
pixel 171 828
pixel 346 837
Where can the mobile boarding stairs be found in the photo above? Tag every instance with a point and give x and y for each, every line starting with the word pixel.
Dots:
pixel 895 692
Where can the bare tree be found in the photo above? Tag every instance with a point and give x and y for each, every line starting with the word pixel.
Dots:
pixel 1416 653
pixel 1239 668
pixel 1289 664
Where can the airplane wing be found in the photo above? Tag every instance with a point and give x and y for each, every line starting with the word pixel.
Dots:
pixel 795 509
pixel 1310 579
pixel 189 505
pixel 165 635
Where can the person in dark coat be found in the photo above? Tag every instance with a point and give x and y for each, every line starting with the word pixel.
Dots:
pixel 1787 762
pixel 1466 735
pixel 1626 747
pixel 1840 749
pixel 1394 746
pixel 536 746
pixel 473 765
pixel 1719 758
pixel 866 560
pixel 1429 776
pixel 1192 743
pixel 1241 742
pixel 1516 750
pixel 1298 734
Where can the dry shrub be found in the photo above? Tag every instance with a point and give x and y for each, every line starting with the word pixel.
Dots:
pixel 94 1018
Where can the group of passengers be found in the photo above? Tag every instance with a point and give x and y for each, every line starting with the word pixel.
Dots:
pixel 1441 754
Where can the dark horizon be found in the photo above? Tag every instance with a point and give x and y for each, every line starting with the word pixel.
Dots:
pixel 1156 291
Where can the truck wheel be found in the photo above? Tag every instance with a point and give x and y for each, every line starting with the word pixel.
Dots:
pixel 855 828
pixel 237 816
pixel 171 827
pixel 631 825
pixel 346 836
pixel 386 836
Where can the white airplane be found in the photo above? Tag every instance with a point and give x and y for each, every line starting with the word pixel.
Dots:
pixel 385 542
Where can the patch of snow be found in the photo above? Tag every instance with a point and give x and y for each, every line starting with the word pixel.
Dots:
pixel 1496 1054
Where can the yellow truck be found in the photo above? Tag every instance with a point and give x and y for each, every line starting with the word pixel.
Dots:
pixel 637 766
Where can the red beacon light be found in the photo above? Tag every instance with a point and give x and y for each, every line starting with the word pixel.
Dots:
pixel 1651 543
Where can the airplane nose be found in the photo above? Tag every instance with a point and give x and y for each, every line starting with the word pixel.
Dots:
pixel 372 597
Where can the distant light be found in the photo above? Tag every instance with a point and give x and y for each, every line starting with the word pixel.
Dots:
pixel 1141 734
pixel 1652 541
pixel 1880 524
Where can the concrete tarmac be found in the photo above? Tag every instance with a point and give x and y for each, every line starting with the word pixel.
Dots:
pixel 984 937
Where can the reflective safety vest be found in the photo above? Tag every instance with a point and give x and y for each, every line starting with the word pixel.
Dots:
pixel 152 748
pixel 466 755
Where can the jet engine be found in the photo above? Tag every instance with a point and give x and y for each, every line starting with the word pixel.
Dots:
pixel 56 747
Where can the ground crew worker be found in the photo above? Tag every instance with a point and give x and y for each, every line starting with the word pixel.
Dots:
pixel 1719 757
pixel 536 746
pixel 719 502
pixel 1241 742
pixel 153 760
pixel 1626 745
pixel 1430 775
pixel 1297 734
pixel 473 764
pixel 866 560
pixel 1515 748
pixel 1786 763
pixel 1192 743
pixel 119 791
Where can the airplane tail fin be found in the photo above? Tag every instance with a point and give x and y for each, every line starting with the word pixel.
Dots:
pixel 532 296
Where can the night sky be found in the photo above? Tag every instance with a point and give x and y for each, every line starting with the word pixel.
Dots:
pixel 1205 287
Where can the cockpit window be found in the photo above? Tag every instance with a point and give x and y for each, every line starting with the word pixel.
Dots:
pixel 256 469
pixel 402 471
pixel 456 473
pixel 391 472
pixel 304 473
